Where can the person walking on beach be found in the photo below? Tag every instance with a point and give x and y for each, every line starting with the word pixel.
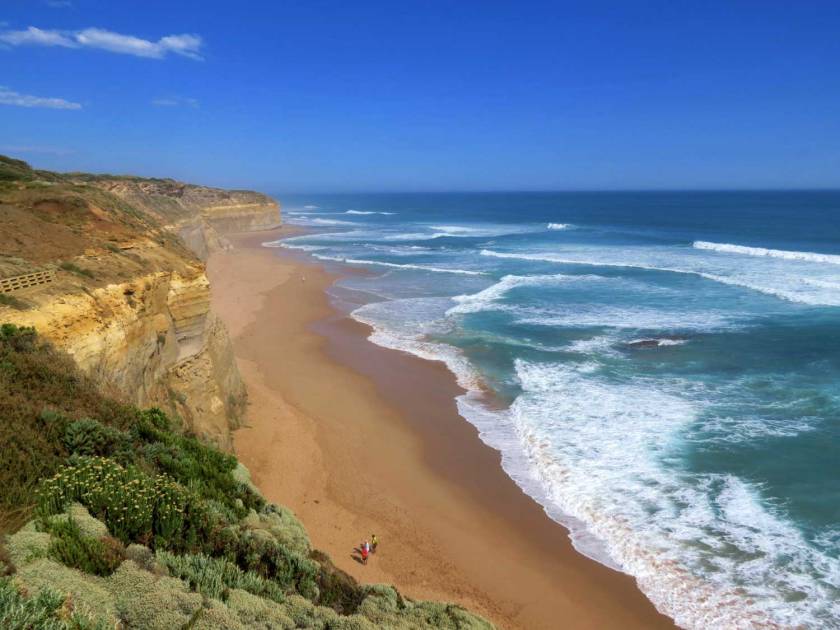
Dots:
pixel 374 543
pixel 365 551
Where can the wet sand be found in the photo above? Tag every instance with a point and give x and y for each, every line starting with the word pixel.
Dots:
pixel 359 439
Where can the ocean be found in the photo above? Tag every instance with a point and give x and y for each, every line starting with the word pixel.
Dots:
pixel 661 371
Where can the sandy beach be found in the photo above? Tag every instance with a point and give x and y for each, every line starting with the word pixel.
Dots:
pixel 358 439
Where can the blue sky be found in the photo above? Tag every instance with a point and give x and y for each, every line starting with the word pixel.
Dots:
pixel 461 95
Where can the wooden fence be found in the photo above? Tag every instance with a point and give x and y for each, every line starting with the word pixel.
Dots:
pixel 26 281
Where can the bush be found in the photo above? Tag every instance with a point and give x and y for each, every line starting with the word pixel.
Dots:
pixel 97 556
pixel 256 612
pixel 213 577
pixel 26 545
pixel 74 268
pixel 45 611
pixel 18 338
pixel 89 437
pixel 7 567
pixel 337 589
pixel 41 391
pixel 202 468
pixel 150 602
pixel 281 523
pixel 265 557
pixel 134 506
pixel 13 302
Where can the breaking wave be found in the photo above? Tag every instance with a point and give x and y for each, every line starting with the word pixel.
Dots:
pixel 366 212
pixel 790 287
pixel 729 248
pixel 380 263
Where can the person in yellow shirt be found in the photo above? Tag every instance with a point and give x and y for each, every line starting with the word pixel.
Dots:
pixel 374 542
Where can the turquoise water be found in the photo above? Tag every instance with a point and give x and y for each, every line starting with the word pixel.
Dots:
pixel 668 366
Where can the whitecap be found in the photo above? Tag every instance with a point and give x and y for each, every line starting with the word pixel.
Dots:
pixel 380 263
pixel 332 222
pixel 705 548
pixel 730 248
pixel 483 299
pixel 789 285
pixel 366 212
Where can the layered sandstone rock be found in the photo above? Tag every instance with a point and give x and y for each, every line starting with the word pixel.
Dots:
pixel 130 301
pixel 152 341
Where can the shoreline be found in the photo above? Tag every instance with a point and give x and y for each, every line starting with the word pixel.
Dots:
pixel 356 438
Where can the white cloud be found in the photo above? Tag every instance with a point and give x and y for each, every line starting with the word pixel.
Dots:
pixel 10 97
pixel 36 37
pixel 186 45
pixel 175 101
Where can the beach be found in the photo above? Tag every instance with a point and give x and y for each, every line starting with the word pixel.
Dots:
pixel 358 439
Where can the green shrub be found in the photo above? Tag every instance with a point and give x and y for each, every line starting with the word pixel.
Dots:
pixel 18 338
pixel 256 612
pixel 147 601
pixel 88 593
pixel 41 391
pixel 7 567
pixel 281 523
pixel 265 557
pixel 74 268
pixel 216 616
pixel 97 556
pixel 337 589
pixel 12 302
pixel 45 611
pixel 27 544
pixel 203 468
pixel 213 577
pixel 89 437
pixel 134 506
pixel 89 525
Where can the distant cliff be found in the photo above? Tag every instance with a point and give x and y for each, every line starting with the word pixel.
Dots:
pixel 200 215
pixel 130 301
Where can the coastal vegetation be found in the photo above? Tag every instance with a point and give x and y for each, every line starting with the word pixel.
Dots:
pixel 115 516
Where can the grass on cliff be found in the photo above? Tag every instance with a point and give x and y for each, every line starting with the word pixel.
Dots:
pixel 134 523
pixel 62 442
pixel 74 268
pixel 40 392
pixel 13 302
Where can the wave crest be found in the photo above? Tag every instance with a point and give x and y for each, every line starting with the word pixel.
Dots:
pixel 380 263
pixel 730 248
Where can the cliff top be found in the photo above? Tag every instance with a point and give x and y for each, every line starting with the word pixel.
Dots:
pixel 97 229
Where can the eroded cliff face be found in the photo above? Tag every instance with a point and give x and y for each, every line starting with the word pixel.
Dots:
pixel 131 301
pixel 200 215
pixel 152 341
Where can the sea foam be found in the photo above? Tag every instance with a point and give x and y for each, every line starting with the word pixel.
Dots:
pixel 729 248
pixel 380 263
pixel 702 547
pixel 790 285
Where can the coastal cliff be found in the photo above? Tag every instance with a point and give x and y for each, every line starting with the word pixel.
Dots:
pixel 129 299
pixel 118 388
pixel 200 215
